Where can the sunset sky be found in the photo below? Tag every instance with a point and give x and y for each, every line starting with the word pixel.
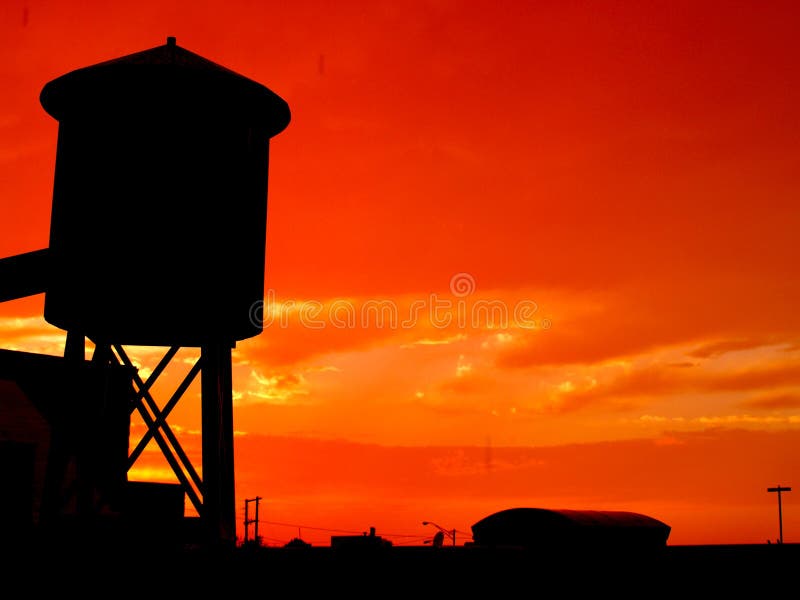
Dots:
pixel 518 254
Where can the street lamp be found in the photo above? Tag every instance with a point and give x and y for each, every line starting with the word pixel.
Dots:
pixel 449 533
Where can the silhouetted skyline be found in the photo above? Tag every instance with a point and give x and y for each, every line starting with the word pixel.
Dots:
pixel 624 179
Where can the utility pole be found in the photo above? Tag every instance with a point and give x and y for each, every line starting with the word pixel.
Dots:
pixel 780 489
pixel 248 520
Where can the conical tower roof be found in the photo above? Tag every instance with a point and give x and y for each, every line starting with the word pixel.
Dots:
pixel 164 76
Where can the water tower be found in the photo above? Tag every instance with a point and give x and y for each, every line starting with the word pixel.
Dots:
pixel 158 235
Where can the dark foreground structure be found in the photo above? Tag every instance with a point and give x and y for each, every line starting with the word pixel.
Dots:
pixel 372 569
pixel 421 572
pixel 157 238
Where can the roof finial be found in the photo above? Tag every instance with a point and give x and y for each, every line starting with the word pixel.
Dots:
pixel 170 40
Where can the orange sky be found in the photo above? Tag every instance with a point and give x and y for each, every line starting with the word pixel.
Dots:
pixel 626 174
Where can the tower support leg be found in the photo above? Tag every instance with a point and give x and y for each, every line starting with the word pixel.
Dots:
pixel 219 499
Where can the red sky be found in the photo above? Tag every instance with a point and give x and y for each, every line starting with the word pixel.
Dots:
pixel 628 170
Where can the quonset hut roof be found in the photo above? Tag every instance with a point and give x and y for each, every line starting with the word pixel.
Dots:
pixel 541 528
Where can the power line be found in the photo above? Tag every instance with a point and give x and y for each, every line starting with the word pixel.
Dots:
pixel 412 542
pixel 310 527
pixel 411 537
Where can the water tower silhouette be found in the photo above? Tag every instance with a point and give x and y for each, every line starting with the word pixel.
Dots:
pixel 158 234
pixel 158 225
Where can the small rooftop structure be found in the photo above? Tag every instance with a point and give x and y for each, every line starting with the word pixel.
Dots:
pixel 541 529
pixel 360 542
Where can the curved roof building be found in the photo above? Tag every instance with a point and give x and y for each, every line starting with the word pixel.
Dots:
pixel 540 528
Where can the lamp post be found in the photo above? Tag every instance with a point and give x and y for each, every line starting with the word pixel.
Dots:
pixel 449 533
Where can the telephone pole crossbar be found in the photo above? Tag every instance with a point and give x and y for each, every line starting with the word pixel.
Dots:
pixel 248 521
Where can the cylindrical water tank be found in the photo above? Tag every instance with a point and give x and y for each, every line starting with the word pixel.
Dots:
pixel 158 225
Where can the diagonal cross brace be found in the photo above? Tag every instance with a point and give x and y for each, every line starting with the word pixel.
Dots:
pixel 155 426
pixel 161 416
